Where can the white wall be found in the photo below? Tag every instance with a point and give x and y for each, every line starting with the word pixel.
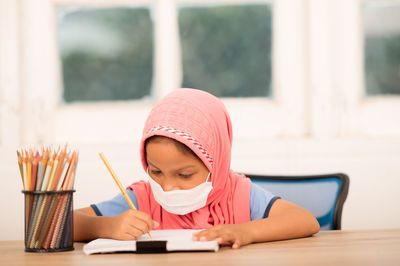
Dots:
pixel 326 127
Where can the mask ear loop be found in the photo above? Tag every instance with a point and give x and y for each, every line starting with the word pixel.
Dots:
pixel 208 176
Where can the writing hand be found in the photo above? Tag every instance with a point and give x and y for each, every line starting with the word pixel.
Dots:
pixel 130 225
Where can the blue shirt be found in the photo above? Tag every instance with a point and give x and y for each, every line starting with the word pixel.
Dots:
pixel 261 201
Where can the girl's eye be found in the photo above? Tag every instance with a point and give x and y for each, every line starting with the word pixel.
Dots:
pixel 155 172
pixel 185 176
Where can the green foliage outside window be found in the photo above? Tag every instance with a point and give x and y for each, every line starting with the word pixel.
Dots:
pixel 120 70
pixel 382 65
pixel 381 23
pixel 107 53
pixel 227 49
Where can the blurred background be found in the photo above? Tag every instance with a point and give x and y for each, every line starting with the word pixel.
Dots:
pixel 312 87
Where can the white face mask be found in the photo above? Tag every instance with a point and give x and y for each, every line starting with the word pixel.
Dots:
pixel 181 201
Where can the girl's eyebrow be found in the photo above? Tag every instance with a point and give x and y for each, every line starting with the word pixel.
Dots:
pixel 151 164
pixel 185 167
pixel 180 169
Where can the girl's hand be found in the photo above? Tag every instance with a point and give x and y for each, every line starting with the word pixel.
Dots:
pixel 130 225
pixel 234 235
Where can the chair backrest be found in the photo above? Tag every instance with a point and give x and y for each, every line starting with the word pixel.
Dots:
pixel 323 195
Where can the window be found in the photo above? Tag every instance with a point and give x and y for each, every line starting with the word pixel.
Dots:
pixel 107 53
pixel 381 23
pixel 226 50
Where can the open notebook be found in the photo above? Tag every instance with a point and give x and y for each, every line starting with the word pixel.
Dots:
pixel 161 241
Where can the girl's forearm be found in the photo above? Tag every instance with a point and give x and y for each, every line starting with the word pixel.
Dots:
pixel 295 223
pixel 88 227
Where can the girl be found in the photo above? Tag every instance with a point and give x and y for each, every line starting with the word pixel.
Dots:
pixel 186 152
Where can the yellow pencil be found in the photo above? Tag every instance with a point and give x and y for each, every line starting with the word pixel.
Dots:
pixel 126 196
pixel 24 162
pixel 29 171
pixel 53 172
pixel 20 168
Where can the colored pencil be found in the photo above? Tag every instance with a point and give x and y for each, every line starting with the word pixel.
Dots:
pixel 21 171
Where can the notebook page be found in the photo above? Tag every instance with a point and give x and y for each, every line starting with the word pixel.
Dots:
pixel 102 245
pixel 177 240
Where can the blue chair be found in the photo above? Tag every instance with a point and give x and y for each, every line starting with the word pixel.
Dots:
pixel 323 195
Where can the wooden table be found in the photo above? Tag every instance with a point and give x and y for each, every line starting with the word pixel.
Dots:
pixel 364 247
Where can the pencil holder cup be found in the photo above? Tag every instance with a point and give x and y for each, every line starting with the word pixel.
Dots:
pixel 49 221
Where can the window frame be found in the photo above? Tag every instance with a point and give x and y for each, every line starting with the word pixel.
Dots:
pixel 375 113
pixel 282 116
pixel 336 56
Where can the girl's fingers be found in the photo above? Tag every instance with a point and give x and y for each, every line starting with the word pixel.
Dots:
pixel 140 225
pixel 146 219
pixel 211 234
pixel 204 235
pixel 223 237
pixel 127 234
pixel 226 239
pixel 236 244
pixel 137 232
pixel 136 229
pixel 130 236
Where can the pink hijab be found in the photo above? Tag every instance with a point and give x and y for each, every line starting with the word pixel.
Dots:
pixel 200 121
